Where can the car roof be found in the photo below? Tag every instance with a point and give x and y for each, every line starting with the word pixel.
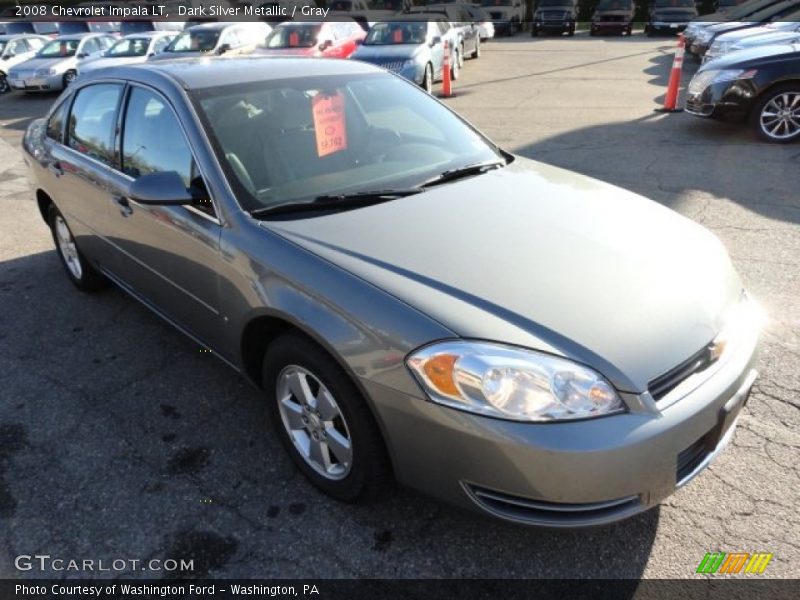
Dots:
pixel 148 34
pixel 201 72
pixel 80 36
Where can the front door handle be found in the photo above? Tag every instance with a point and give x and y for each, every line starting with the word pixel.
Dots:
pixel 55 168
pixel 122 203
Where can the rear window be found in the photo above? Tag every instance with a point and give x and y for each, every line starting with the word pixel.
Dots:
pixel 304 36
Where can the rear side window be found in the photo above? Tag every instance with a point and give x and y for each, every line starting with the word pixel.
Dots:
pixel 55 124
pixel 92 121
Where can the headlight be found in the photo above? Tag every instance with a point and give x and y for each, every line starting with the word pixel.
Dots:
pixel 703 79
pixel 704 36
pixel 511 383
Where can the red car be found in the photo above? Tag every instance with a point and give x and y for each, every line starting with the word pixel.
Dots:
pixel 303 38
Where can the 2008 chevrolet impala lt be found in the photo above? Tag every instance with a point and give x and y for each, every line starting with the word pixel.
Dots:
pixel 415 302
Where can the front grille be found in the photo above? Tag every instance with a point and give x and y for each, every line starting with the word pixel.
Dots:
pixel 664 384
pixel 611 18
pixel 674 17
pixel 392 65
pixel 553 514
pixel 691 458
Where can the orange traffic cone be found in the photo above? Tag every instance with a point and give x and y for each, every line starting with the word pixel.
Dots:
pixel 671 99
pixel 446 84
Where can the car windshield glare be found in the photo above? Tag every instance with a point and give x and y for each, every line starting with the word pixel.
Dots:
pixel 293 36
pixel 130 47
pixel 293 140
pixel 59 48
pixel 386 34
pixel 194 41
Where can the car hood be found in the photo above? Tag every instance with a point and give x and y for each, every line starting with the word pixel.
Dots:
pixel 366 52
pixel 751 56
pixel 740 34
pixel 101 62
pixel 537 256
pixel 44 63
pixel 775 37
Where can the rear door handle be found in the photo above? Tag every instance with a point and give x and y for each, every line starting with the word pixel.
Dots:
pixel 122 203
pixel 55 168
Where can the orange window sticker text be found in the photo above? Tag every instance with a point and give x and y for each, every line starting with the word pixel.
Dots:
pixel 329 123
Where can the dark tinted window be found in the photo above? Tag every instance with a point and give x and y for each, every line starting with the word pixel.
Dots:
pixel 55 124
pixel 92 120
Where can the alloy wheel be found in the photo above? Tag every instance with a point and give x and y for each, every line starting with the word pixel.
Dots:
pixel 67 248
pixel 780 117
pixel 314 422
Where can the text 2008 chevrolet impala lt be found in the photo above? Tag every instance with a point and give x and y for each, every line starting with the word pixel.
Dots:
pixel 415 301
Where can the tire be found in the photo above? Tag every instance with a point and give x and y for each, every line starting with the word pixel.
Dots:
pixel 4 86
pixel 571 32
pixel 534 31
pixel 477 52
pixel 296 375
pixel 460 56
pixel 780 100
pixel 455 68
pixel 427 79
pixel 82 274
pixel 69 77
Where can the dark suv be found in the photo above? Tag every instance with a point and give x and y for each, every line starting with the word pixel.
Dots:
pixel 614 16
pixel 556 16
pixel 669 16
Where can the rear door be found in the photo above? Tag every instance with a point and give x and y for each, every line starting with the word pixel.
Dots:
pixel 80 165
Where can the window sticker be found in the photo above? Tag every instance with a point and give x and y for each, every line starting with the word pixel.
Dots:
pixel 329 123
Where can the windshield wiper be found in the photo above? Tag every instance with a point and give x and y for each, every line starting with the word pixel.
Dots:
pixel 335 201
pixel 462 172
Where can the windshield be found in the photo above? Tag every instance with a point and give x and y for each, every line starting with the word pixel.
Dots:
pixel 294 36
pixel 194 41
pixel 495 2
pixel 129 47
pixel 614 5
pixel 59 48
pixel 675 4
pixel 295 139
pixel 385 34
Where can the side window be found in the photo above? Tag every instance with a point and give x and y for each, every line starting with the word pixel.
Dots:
pixel 55 124
pixel 153 141
pixel 92 121
pixel 90 46
pixel 106 43
pixel 18 47
pixel 231 37
pixel 35 43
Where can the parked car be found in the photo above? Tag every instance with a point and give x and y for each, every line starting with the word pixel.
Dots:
pixel 70 27
pixel 706 37
pixel 483 20
pixel 469 45
pixel 782 32
pixel 555 16
pixel 508 16
pixel 331 39
pixel 296 217
pixel 55 66
pixel 216 39
pixel 132 49
pixel 14 50
pixel 412 46
pixel 130 27
pixel 615 16
pixel 738 13
pixel 758 85
pixel 46 28
pixel 669 16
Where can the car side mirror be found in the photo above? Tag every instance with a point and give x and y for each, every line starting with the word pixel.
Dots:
pixel 436 41
pixel 325 44
pixel 165 188
pixel 223 49
pixel 9 55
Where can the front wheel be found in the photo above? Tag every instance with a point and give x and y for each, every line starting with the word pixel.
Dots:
pixel 322 420
pixel 455 67
pixel 460 56
pixel 776 116
pixel 4 87
pixel 69 77
pixel 82 275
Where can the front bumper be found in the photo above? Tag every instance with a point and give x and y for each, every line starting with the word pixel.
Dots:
pixel 571 474
pixel 614 26
pixel 554 26
pixel 37 84
pixel 668 26
pixel 727 100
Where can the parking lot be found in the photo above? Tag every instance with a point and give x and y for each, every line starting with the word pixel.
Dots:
pixel 120 438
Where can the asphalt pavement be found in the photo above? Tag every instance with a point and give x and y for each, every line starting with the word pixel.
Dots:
pixel 121 439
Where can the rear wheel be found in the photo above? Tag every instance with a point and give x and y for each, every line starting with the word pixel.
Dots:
pixel 4 87
pixel 776 116
pixel 83 275
pixel 322 420
pixel 427 79
pixel 460 56
pixel 455 67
